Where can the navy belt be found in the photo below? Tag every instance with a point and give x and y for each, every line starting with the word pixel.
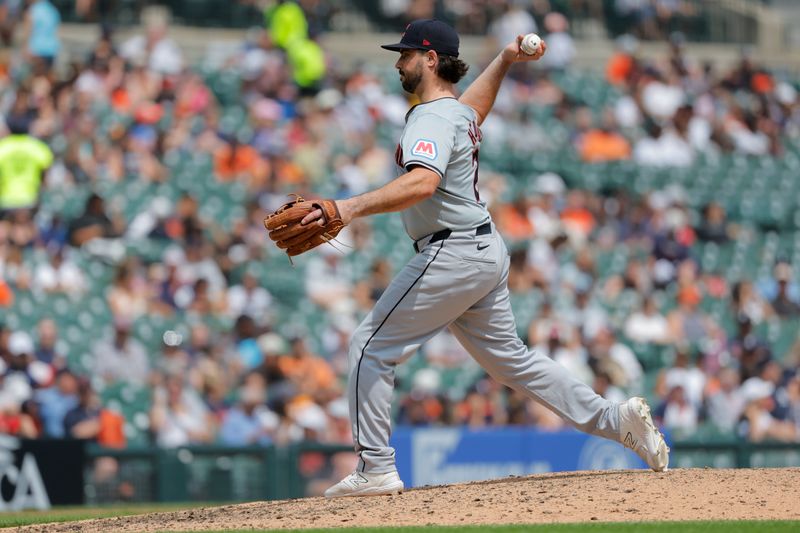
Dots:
pixel 483 229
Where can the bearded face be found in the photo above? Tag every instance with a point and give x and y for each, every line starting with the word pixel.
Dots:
pixel 409 66
pixel 411 78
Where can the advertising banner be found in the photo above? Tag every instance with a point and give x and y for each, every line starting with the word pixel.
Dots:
pixel 35 474
pixel 434 456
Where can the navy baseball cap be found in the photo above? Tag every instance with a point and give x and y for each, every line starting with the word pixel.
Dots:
pixel 427 34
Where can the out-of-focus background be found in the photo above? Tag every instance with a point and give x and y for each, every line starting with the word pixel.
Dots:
pixel 645 174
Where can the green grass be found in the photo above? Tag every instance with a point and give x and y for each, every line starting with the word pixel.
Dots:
pixel 777 526
pixel 69 514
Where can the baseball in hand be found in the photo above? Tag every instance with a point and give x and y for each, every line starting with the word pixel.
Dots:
pixel 531 44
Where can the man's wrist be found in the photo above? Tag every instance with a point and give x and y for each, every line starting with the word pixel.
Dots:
pixel 347 209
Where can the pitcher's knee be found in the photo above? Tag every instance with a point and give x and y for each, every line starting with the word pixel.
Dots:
pixel 357 343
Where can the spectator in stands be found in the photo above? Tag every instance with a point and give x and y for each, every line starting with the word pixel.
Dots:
pixel 174 360
pixel 202 302
pixel 725 403
pixel 10 14
pixel 250 298
pixel 94 223
pixel 688 376
pixel 602 385
pixel 647 325
pixel 178 416
pixel 309 418
pixel 422 406
pixel 56 401
pixel 240 162
pixel 482 406
pixel 577 220
pixel 567 349
pixel 607 354
pixel 783 304
pixel 757 424
pixel 747 302
pixel 89 421
pixel 603 143
pixel 661 95
pixel 751 352
pixel 47 349
pixel 326 281
pixel 339 422
pixel 30 423
pixel 623 65
pixel 714 226
pixel 18 378
pixel 246 334
pixel 793 393
pixel 122 357
pixel 368 291
pixel 59 275
pixel 515 20
pixel 6 294
pixel 155 49
pixel 13 268
pixel 196 261
pixel 23 162
pixel 249 422
pixel 41 31
pixel 311 374
pixel 560 46
pixel 747 138
pixel 676 413
pixel 19 231
pixel 663 148
pixel 587 316
pixel 512 219
pixel 688 321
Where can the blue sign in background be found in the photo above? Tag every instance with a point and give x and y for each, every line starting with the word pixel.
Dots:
pixel 433 456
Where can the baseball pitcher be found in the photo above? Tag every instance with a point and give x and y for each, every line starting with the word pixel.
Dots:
pixel 458 278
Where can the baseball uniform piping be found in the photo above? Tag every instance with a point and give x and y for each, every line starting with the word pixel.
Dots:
pixel 364 349
pixel 417 163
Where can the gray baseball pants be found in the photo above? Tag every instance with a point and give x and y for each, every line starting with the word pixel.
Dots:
pixel 459 282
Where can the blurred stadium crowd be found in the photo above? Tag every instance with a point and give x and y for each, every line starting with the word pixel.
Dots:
pixel 650 210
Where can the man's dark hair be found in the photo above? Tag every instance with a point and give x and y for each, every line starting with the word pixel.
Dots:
pixel 451 68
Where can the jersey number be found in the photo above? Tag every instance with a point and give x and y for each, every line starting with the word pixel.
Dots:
pixel 475 165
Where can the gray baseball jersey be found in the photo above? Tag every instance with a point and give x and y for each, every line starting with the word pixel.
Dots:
pixel 443 135
pixel 457 280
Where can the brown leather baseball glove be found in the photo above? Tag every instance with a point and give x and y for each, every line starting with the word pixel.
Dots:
pixel 290 235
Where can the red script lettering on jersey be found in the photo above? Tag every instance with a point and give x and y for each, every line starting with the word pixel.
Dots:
pixel 475 136
pixel 474 133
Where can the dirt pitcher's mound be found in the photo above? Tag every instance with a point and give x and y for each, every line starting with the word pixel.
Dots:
pixel 701 494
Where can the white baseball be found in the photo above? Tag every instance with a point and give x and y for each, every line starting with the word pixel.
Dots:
pixel 531 44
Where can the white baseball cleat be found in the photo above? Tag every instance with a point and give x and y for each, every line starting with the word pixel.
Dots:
pixel 366 484
pixel 637 432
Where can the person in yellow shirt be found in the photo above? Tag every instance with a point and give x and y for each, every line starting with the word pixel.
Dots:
pixel 23 162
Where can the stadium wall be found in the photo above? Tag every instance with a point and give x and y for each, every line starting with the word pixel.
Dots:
pixel 37 474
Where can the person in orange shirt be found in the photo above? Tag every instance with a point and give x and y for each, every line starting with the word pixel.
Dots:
pixel 6 294
pixel 622 65
pixel 603 144
pixel 234 160
pixel 513 221
pixel 576 219
pixel 311 374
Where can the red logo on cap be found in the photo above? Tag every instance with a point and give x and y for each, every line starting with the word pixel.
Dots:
pixel 426 42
